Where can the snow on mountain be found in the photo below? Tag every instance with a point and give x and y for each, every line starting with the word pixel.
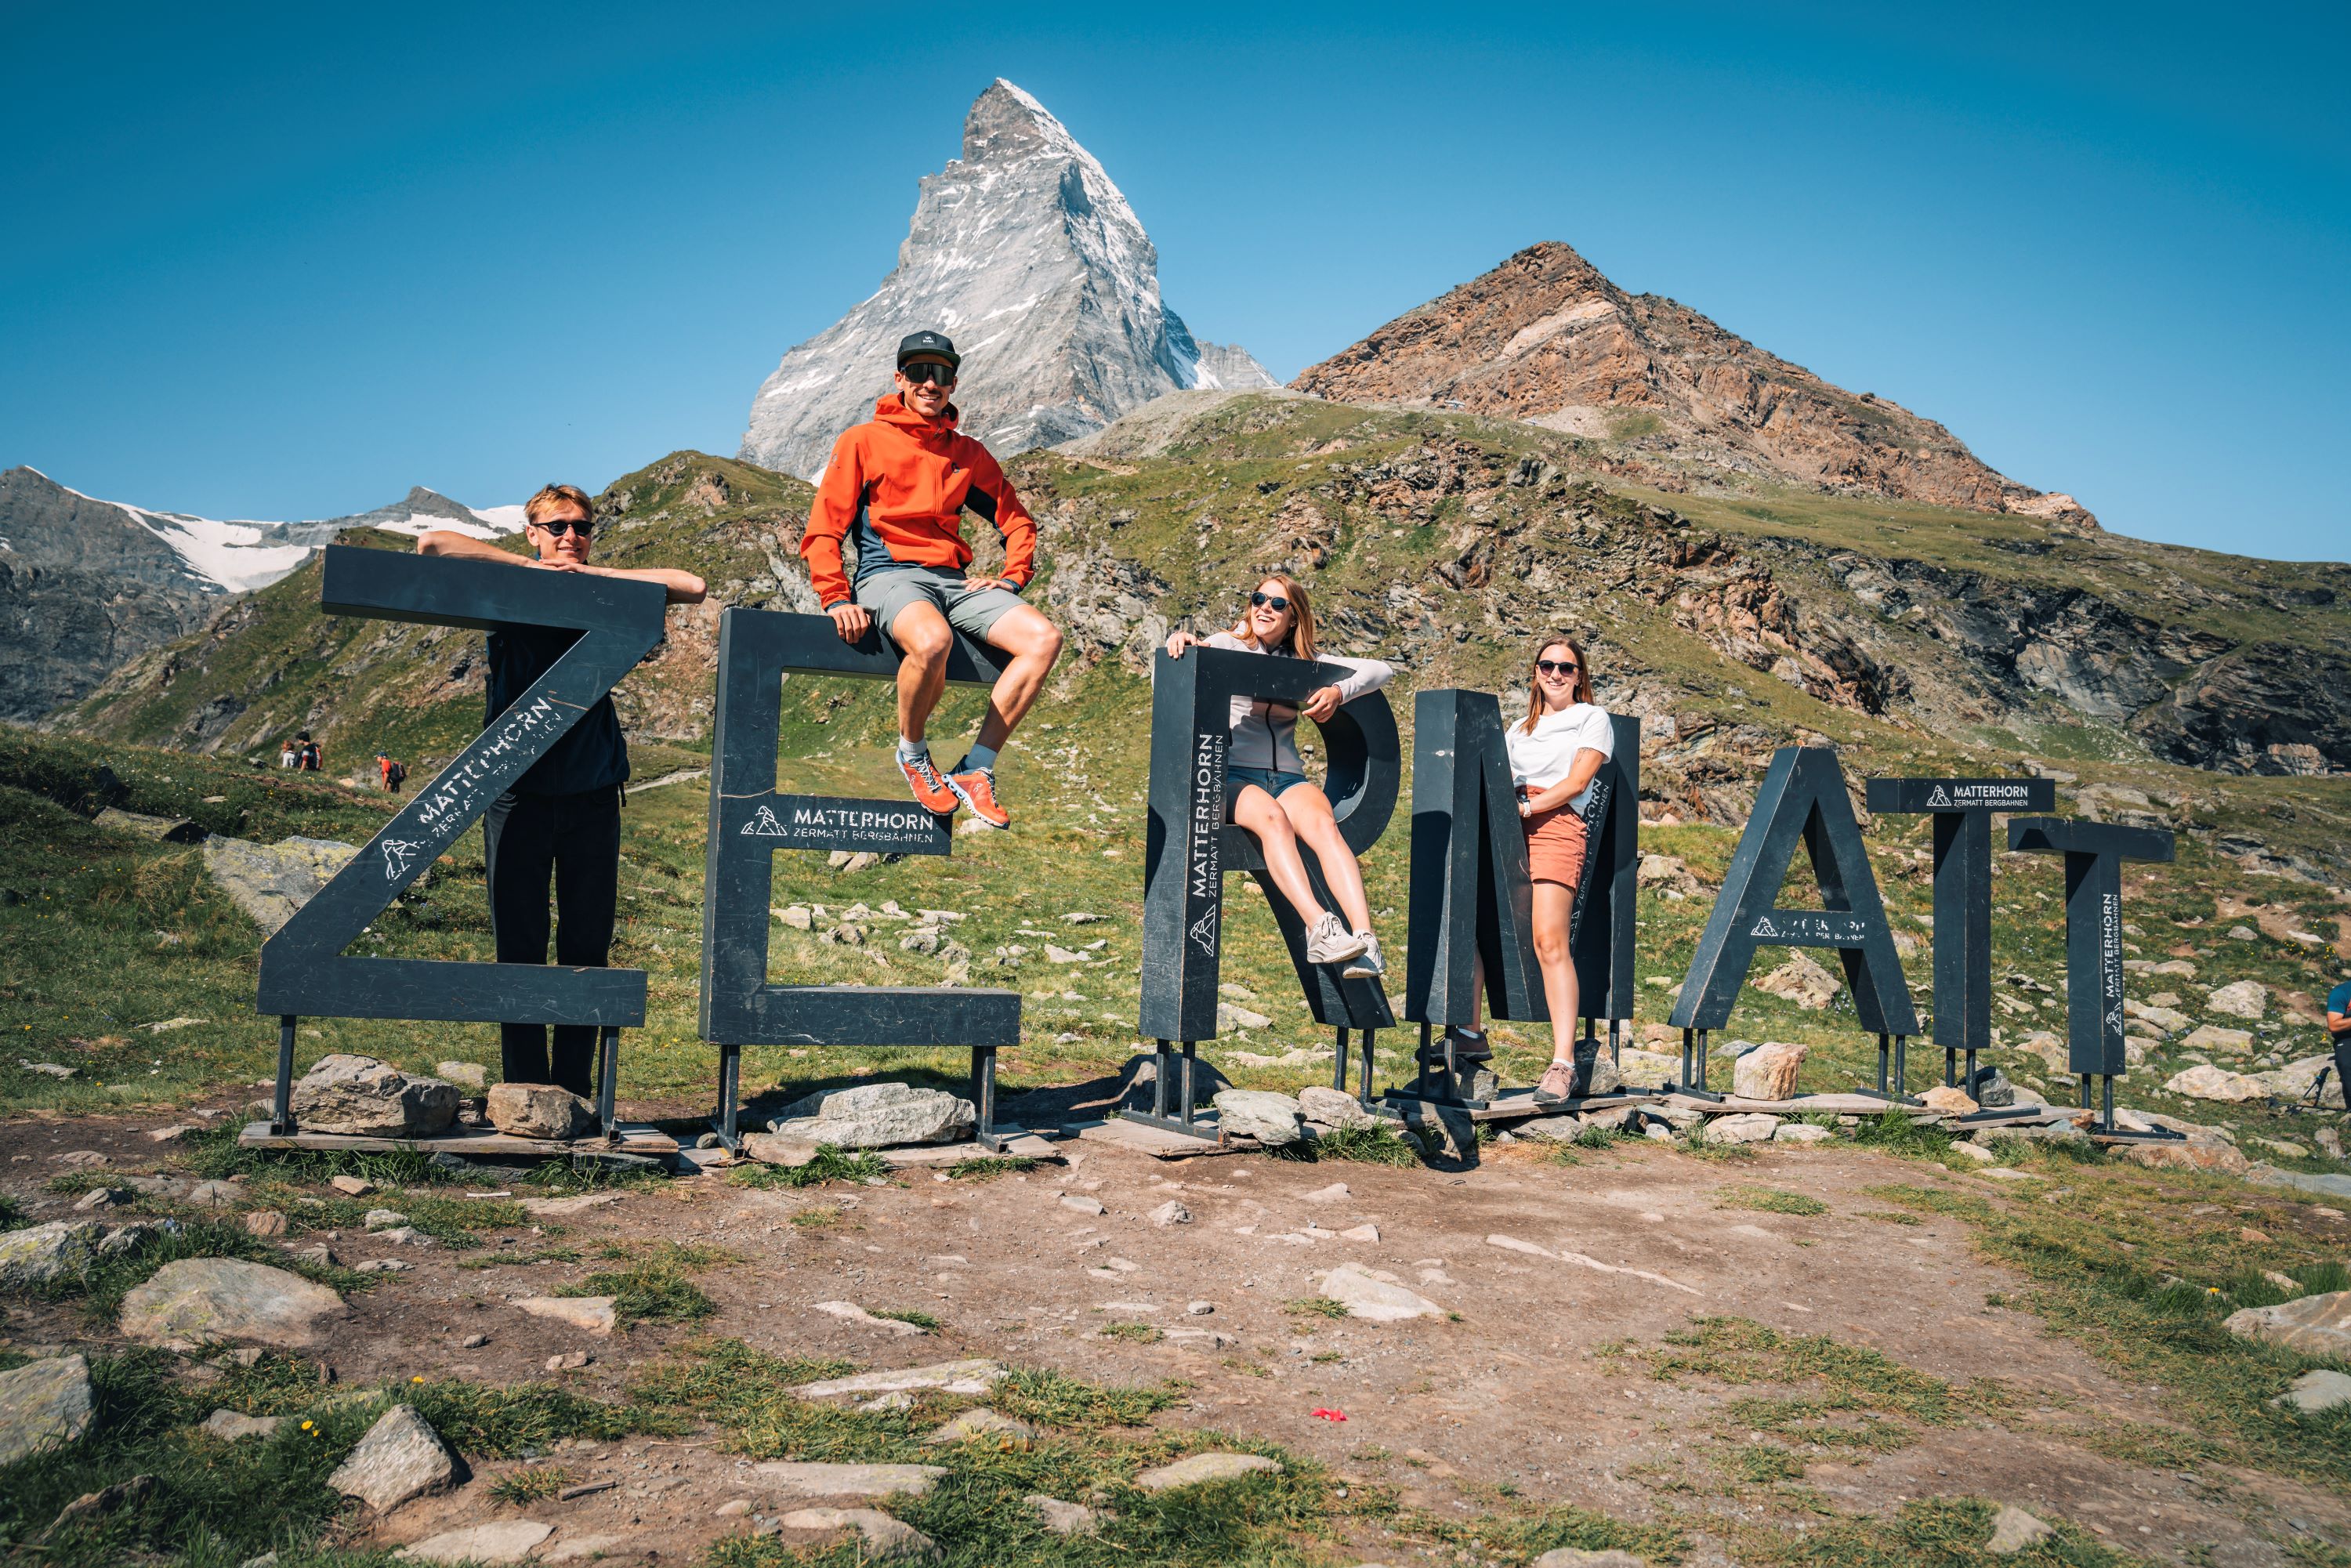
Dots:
pixel 1027 254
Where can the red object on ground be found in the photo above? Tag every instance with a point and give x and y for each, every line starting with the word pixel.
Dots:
pixel 1331 1414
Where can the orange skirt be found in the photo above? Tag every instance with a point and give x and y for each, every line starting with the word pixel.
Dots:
pixel 1556 840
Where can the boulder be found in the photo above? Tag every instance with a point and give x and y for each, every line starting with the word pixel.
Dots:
pixel 1767 1072
pixel 2165 1022
pixel 1376 1296
pixel 876 1116
pixel 2241 1000
pixel 2190 1154
pixel 464 1074
pixel 1272 1119
pixel 2209 1082
pixel 540 1110
pixel 1751 1127
pixel 2214 1040
pixel 1804 982
pixel 2315 1326
pixel 197 1300
pixel 43 1404
pixel 368 1098
pixel 270 882
pixel 400 1457
pixel 1948 1101
pixel 1231 1019
pixel 886 1540
pixel 40 1253
pixel 1333 1109
pixel 2014 1530
pixel 1596 1072
pixel 1200 1468
pixel 1172 1212
pixel 505 1540
pixel 2293 1080
pixel 810 1479
pixel 1991 1090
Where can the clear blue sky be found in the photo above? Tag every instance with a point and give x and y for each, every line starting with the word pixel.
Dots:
pixel 270 262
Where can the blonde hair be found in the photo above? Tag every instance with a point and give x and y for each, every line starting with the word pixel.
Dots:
pixel 1534 686
pixel 1301 615
pixel 551 497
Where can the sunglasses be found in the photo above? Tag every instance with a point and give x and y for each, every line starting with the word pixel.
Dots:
pixel 1275 599
pixel 558 527
pixel 1554 667
pixel 928 370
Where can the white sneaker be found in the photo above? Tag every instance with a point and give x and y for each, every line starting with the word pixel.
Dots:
pixel 1369 966
pixel 1329 942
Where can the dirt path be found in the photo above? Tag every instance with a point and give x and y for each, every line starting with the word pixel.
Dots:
pixel 1526 1388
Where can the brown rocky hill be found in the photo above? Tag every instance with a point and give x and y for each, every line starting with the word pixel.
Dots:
pixel 1546 338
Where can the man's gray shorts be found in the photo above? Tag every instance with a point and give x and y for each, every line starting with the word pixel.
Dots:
pixel 970 611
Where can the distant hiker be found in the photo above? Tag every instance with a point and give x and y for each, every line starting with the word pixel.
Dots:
pixel 1266 788
pixel 305 753
pixel 884 547
pixel 395 774
pixel 285 758
pixel 2338 1030
pixel 383 769
pixel 562 817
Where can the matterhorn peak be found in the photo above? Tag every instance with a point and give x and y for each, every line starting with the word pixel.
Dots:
pixel 1027 254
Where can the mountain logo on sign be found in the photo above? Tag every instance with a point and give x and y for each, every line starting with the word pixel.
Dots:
pixel 1204 931
pixel 763 824
pixel 1938 797
pixel 1764 927
pixel 396 854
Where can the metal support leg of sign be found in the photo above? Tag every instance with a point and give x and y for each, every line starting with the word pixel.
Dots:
pixel 608 1079
pixel 1185 1123
pixel 730 1095
pixel 1439 1077
pixel 1692 1082
pixel 1894 1086
pixel 1339 1067
pixel 983 1099
pixel 281 1113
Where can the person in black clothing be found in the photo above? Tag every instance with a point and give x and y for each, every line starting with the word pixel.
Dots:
pixel 562 817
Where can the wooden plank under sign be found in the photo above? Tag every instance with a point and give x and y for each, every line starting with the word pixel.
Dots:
pixel 635 1138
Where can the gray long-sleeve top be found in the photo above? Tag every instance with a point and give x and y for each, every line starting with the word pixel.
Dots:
pixel 1265 733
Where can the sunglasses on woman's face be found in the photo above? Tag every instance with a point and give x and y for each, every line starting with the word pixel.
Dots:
pixel 1263 600
pixel 1554 667
pixel 558 527
pixel 925 370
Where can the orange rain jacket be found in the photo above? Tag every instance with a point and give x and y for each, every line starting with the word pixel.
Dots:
pixel 899 483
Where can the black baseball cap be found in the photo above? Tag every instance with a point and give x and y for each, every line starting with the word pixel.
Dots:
pixel 932 345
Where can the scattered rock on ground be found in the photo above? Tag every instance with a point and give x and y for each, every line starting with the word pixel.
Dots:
pixel 876 1116
pixel 506 1541
pixel 1647 1068
pixel 887 1540
pixel 1331 1109
pixel 2316 1390
pixel 1376 1296
pixel 464 1074
pixel 562 1207
pixel 2209 1083
pixel 2014 1530
pixel 1199 1467
pixel 1950 1102
pixel 1749 1127
pixel 1272 1119
pixel 981 1423
pixel 1802 1133
pixel 40 1253
pixel 1172 1212
pixel 2187 1154
pixel 270 882
pixel 2317 1325
pixel 43 1404
pixel 198 1301
pixel 1065 1518
pixel 1804 982
pixel 593 1313
pixel 975 1376
pixel 2214 1040
pixel 367 1098
pixel 1580 1557
pixel 351 1186
pixel 538 1111
pixel 2241 1000
pixel 810 1479
pixel 400 1457
pixel 229 1425
pixel 849 1311
pixel 1767 1071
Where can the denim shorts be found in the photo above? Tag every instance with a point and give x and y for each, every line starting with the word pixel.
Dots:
pixel 1273 781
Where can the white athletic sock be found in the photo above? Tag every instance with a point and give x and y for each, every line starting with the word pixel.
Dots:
pixel 979 757
pixel 908 750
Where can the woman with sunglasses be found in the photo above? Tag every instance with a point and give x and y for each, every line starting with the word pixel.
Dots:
pixel 1555 754
pixel 1266 788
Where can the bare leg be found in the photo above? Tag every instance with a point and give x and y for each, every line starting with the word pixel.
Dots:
pixel 1554 903
pixel 1034 643
pixel 1308 810
pixel 923 637
pixel 1254 809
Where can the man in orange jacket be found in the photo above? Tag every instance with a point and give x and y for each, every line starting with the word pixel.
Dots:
pixel 884 547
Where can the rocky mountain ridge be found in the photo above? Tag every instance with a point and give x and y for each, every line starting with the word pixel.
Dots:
pixel 1546 338
pixel 1027 254
pixel 88 585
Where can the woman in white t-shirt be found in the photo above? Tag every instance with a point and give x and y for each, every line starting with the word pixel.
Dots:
pixel 1555 754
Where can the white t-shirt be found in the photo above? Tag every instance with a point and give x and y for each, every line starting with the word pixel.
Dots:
pixel 1542 759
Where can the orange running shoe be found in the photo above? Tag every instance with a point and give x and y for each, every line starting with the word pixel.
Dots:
pixel 976 787
pixel 931 792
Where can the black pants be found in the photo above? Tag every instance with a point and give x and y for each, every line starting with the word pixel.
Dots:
pixel 576 838
pixel 2341 1070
